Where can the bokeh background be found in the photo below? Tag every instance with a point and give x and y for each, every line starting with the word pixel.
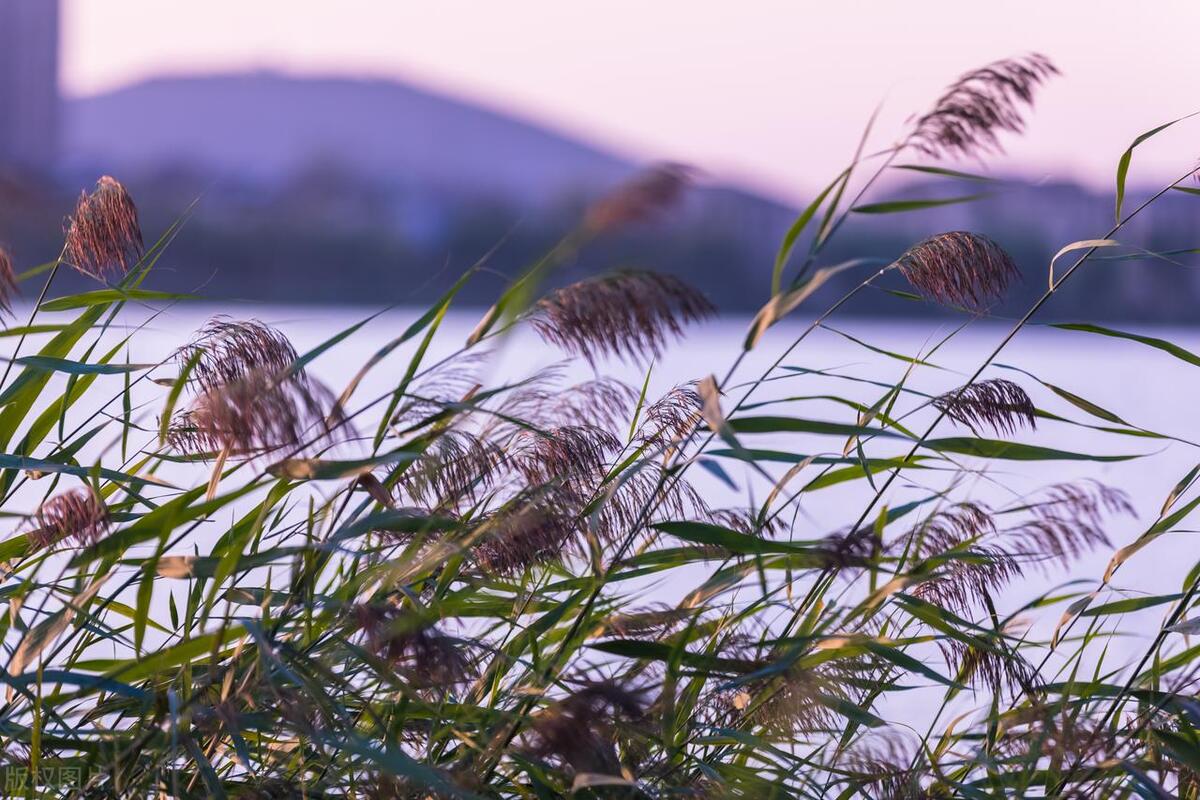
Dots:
pixel 365 152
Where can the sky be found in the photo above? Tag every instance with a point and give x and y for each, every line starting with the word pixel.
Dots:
pixel 772 94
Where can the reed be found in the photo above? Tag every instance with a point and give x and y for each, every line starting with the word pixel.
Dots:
pixel 225 579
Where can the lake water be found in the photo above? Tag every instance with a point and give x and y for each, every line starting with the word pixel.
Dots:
pixel 1144 386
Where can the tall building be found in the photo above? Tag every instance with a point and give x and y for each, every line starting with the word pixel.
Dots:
pixel 29 101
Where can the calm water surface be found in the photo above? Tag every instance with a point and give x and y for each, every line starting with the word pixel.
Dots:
pixel 1146 387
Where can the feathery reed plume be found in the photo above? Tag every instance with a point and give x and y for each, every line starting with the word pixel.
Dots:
pixel 1066 739
pixel 639 199
pixel 571 455
pixel 423 655
pixel 997 403
pixel 603 402
pixel 530 534
pixel 103 236
pixel 455 467
pixel 385 786
pixel 542 401
pixel 998 668
pixel 964 571
pixel 952 527
pixel 1067 521
pixel 626 314
pixel 798 702
pixel 257 414
pixel 849 549
pixel 580 730
pixel 443 386
pixel 657 621
pixel 745 521
pixel 642 497
pixel 1089 499
pixel 966 119
pixel 227 350
pixel 963 578
pixel 78 514
pixel 671 418
pixel 959 268
pixel 8 282
pixel 886 764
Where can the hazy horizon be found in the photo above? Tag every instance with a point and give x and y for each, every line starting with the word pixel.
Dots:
pixel 772 97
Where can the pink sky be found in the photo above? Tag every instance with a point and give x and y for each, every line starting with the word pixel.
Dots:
pixel 771 93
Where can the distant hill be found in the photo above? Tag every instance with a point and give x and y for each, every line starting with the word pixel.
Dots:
pixel 268 126
pixel 370 191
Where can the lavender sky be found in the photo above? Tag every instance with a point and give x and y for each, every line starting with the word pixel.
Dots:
pixel 771 93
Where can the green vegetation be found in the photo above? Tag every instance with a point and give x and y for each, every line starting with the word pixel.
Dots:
pixel 235 582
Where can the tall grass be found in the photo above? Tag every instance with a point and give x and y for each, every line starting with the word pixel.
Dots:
pixel 226 579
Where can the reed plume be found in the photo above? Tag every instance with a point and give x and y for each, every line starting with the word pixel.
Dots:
pixel 848 549
pixel 528 534
pixel 998 404
pixel 78 514
pixel 965 570
pixel 959 268
pixel 224 351
pixel 8 282
pixel 640 199
pixel 436 392
pixel 570 455
pixel 1066 521
pixel 626 314
pixel 644 495
pixel 455 467
pixel 656 621
pixel 885 768
pixel 798 702
pixel 965 577
pixel 579 731
pixel 545 402
pixel 103 236
pixel 967 118
pixel 671 418
pixel 994 667
pixel 257 414
pixel 425 656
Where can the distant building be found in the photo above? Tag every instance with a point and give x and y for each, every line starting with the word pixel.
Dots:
pixel 29 100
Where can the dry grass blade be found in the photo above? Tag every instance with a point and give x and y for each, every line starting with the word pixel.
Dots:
pixel 627 314
pixel 966 119
pixel 103 236
pixel 998 404
pixel 959 268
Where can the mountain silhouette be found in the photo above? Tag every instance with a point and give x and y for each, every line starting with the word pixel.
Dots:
pixel 268 126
